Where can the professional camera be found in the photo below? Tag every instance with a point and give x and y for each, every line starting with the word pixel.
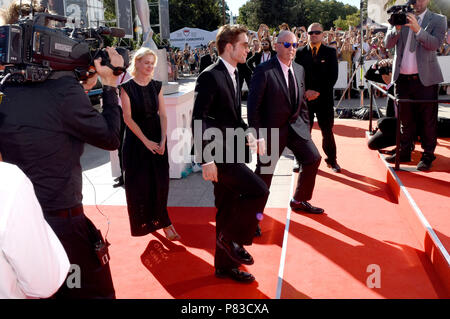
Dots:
pixel 399 12
pixel 34 47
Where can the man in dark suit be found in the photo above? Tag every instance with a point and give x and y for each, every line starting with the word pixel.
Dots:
pixel 321 73
pixel 240 195
pixel 209 58
pixel 417 75
pixel 276 103
pixel 262 56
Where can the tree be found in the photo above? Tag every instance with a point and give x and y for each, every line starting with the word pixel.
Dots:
pixel 293 12
pixel 204 14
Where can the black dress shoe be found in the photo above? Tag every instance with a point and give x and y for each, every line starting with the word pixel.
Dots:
pixel 403 158
pixel 235 274
pixel 425 162
pixel 120 182
pixel 335 167
pixel 305 207
pixel 235 251
pixel 258 231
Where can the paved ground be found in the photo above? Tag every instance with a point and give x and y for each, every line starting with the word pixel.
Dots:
pixel 193 191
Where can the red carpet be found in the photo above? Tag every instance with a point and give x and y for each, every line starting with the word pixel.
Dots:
pixel 153 267
pixel 326 256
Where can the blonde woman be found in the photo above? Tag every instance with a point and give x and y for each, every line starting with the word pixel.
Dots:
pixel 145 160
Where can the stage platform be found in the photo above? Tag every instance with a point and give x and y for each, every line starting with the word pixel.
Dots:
pixel 384 234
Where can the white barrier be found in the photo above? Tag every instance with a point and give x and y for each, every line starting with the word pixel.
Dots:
pixel 179 107
pixel 444 63
pixel 342 80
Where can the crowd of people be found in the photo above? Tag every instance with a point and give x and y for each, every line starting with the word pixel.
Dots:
pixel 347 45
pixel 292 69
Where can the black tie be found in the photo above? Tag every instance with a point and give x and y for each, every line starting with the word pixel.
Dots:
pixel 314 52
pixel 236 76
pixel 292 90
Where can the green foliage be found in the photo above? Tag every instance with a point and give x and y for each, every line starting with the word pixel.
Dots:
pixel 204 14
pixel 293 12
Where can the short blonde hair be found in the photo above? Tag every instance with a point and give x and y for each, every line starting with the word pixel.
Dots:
pixel 139 54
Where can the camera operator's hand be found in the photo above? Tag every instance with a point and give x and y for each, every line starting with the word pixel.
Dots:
pixel 412 23
pixel 106 73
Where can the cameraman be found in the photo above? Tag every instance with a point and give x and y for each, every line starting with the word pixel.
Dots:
pixel 417 75
pixel 43 128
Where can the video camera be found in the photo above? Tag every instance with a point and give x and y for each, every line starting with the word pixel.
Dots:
pixel 34 47
pixel 399 12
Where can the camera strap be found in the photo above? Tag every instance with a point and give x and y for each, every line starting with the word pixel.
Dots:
pixel 117 70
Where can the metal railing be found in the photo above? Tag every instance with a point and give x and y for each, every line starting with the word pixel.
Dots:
pixel 397 103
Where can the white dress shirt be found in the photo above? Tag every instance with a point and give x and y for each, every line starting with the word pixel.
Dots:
pixel 33 263
pixel 409 60
pixel 231 70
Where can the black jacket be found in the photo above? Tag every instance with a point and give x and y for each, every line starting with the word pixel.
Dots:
pixel 255 60
pixel 268 102
pixel 216 106
pixel 205 61
pixel 321 72
pixel 43 128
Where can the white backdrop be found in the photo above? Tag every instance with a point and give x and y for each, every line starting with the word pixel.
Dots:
pixel 192 36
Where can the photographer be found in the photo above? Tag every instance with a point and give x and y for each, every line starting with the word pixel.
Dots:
pixel 43 128
pixel 417 75
pixel 381 72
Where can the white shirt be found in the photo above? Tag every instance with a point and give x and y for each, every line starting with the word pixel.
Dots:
pixel 366 48
pixel 231 70
pixel 265 57
pixel 409 60
pixel 33 263
pixel 285 70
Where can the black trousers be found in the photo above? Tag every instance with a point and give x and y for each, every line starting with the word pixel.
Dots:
pixel 416 118
pixel 240 198
pixel 305 152
pixel 325 119
pixel 74 232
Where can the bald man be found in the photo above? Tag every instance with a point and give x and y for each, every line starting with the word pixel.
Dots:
pixel 276 102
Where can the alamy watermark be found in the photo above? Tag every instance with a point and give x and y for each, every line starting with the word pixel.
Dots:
pixel 210 144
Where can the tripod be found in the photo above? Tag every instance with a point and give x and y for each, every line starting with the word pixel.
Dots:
pixel 362 81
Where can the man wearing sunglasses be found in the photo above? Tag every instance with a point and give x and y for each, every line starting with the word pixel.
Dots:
pixel 321 73
pixel 262 56
pixel 276 102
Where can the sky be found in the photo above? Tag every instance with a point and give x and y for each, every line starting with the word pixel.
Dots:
pixel 234 5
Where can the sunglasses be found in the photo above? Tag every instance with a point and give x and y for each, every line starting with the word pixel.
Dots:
pixel 314 32
pixel 287 45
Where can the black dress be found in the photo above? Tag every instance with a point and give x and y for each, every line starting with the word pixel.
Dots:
pixel 146 174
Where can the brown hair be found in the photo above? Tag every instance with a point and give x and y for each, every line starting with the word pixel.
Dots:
pixel 11 14
pixel 228 34
pixel 284 26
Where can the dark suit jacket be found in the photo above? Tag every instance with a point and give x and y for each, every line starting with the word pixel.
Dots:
pixel 205 61
pixel 255 60
pixel 268 103
pixel 321 73
pixel 215 104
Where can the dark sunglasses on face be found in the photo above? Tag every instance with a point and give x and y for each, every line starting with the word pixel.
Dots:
pixel 314 32
pixel 287 45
